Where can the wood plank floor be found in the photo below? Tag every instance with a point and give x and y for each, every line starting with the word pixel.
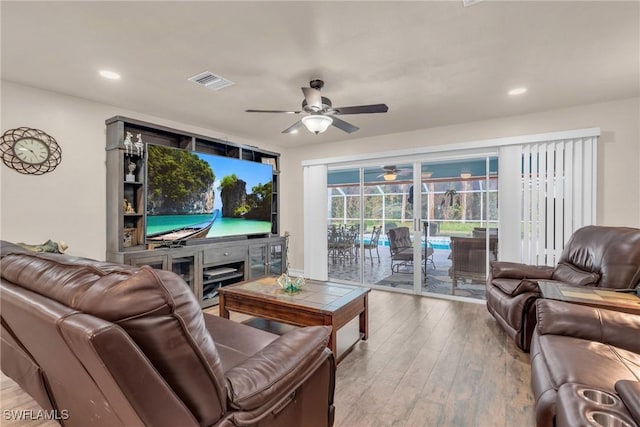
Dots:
pixel 428 362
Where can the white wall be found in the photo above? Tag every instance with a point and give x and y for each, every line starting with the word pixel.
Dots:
pixel 69 203
pixel 618 154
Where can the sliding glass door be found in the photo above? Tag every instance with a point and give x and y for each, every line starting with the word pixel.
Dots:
pixel 344 226
pixel 419 227
pixel 459 204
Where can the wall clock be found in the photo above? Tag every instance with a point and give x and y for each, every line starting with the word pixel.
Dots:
pixel 30 151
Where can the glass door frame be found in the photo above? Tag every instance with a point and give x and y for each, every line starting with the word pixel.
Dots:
pixel 419 219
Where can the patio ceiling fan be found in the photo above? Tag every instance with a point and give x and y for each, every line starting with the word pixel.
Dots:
pixel 320 113
pixel 390 173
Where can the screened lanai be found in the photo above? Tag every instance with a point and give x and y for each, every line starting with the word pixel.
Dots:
pixel 454 224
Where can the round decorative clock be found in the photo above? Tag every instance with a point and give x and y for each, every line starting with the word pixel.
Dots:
pixel 30 151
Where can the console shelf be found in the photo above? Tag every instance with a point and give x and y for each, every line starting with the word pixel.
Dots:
pixel 206 267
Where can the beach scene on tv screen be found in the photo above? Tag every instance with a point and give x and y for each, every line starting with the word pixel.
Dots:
pixel 196 195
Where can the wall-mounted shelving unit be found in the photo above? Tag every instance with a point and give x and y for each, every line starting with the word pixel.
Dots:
pixel 208 263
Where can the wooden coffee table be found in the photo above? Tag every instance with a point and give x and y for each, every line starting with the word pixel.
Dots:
pixel 318 303
pixel 594 297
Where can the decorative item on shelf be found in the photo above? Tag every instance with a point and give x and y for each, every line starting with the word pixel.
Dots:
pixel 138 145
pixel 270 161
pixel 290 285
pixel 286 243
pixel 48 246
pixel 130 177
pixel 128 209
pixel 30 151
pixel 133 148
pixel 129 237
pixel 128 144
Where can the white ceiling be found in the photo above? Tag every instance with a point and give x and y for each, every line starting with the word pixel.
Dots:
pixel 432 63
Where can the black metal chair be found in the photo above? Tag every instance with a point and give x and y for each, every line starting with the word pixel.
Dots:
pixel 373 243
pixel 401 249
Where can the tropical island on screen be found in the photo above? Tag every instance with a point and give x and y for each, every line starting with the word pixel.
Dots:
pixel 197 195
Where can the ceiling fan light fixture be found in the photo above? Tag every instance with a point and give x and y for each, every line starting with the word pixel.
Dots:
pixel 518 91
pixel 317 123
pixel 390 176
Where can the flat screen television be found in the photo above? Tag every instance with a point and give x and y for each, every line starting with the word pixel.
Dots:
pixel 193 195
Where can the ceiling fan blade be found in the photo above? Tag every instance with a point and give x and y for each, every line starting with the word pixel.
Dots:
pixel 294 127
pixel 341 124
pixel 273 111
pixel 313 98
pixel 363 109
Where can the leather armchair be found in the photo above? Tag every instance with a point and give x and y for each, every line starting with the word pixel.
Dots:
pixel 607 257
pixel 115 345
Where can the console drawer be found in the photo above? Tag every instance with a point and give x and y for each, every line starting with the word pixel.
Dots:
pixel 224 255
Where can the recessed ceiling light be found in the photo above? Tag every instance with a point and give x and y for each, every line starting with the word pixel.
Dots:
pixel 111 75
pixel 517 91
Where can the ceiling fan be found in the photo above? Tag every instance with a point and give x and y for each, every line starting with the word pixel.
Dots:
pixel 320 113
pixel 391 172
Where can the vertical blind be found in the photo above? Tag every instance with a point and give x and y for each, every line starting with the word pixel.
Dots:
pixel 315 220
pixel 557 195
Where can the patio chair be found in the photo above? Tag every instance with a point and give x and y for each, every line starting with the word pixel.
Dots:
pixel 401 249
pixel 468 258
pixel 341 243
pixel 373 243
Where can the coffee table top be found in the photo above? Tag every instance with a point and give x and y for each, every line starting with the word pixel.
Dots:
pixel 324 296
pixel 620 301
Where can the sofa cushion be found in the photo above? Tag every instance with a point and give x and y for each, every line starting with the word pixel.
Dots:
pixel 515 270
pixel 573 276
pixel 399 238
pixel 610 327
pixel 513 287
pixel 572 360
pixel 166 316
pixel 613 252
pixel 629 392
pixel 276 368
pixel 236 342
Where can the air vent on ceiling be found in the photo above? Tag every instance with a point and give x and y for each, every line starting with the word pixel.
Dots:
pixel 210 80
pixel 467 3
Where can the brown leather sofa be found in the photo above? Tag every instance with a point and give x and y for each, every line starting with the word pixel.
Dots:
pixel 103 344
pixel 585 366
pixel 607 257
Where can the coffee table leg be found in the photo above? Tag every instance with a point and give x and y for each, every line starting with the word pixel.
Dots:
pixel 333 342
pixel 364 319
pixel 223 310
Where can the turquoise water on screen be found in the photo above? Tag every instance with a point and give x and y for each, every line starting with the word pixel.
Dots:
pixel 221 226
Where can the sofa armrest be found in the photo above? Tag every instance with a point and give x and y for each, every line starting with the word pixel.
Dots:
pixel 514 270
pixel 589 323
pixel 629 392
pixel 277 369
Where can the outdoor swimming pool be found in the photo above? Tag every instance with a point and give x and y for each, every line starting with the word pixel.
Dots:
pixel 436 242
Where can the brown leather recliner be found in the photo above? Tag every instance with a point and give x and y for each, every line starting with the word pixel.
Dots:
pixel 607 257
pixel 104 344
pixel 585 360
